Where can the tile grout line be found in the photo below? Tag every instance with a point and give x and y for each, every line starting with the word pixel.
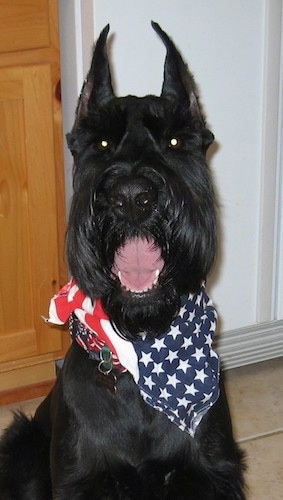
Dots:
pixel 256 437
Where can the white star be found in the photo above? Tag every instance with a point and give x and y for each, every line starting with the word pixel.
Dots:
pixel 212 326
pixel 183 424
pixel 182 402
pixel 146 358
pixel 149 382
pixel 197 329
pixel 208 340
pixel 198 354
pixel 198 299
pixel 172 355
pixel 182 311
pixel 183 365
pixel 176 412
pixel 213 354
pixel 164 393
pixel 172 380
pixel 190 389
pixel 157 368
pixel 206 398
pixel 187 343
pixel 192 315
pixel 200 375
pixel 174 332
pixel 159 344
pixel 191 409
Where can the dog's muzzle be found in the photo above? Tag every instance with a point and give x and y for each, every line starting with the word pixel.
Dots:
pixel 134 204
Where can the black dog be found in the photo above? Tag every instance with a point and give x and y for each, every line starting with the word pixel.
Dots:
pixel 138 410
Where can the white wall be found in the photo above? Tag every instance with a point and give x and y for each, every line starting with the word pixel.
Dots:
pixel 234 50
pixel 222 42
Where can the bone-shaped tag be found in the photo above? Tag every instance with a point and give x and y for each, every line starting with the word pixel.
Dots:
pixel 106 380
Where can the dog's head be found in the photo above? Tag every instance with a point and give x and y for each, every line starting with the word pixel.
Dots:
pixel 142 223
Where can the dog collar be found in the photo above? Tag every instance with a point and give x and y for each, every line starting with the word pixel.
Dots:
pixel 177 373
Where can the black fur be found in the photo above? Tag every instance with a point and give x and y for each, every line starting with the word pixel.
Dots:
pixel 140 172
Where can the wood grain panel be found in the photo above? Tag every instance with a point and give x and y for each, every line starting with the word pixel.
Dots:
pixel 32 203
pixel 23 25
pixel 26 376
pixel 29 271
pixel 15 313
pixel 22 343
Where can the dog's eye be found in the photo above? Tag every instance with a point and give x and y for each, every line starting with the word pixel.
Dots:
pixel 102 145
pixel 175 143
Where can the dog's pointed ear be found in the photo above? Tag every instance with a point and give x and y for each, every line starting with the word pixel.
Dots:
pixel 178 83
pixel 97 87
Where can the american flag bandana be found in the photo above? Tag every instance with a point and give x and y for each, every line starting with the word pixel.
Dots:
pixel 177 373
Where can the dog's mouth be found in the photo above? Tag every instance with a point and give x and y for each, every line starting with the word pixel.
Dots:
pixel 138 264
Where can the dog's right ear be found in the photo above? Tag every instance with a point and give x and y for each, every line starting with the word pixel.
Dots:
pixel 178 83
pixel 97 87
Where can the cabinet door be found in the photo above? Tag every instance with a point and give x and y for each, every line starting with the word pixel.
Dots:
pixel 28 224
pixel 24 24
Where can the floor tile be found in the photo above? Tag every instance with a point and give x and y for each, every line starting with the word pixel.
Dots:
pixel 255 395
pixel 265 467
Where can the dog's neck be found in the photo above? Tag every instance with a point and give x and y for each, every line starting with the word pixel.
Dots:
pixel 177 373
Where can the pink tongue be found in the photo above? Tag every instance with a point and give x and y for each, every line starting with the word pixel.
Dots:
pixel 137 262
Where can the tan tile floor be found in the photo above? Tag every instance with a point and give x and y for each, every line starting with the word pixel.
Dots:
pixel 255 394
pixel 256 401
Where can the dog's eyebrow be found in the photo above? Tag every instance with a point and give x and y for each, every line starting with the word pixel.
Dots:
pixel 103 123
pixel 155 124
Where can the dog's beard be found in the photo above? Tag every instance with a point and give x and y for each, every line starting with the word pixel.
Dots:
pixel 135 315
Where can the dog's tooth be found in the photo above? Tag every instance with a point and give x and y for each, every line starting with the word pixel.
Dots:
pixel 144 290
pixel 157 272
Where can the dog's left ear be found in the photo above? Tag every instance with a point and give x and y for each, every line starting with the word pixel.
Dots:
pixel 97 87
pixel 178 83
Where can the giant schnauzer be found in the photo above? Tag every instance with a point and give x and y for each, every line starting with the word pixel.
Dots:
pixel 139 409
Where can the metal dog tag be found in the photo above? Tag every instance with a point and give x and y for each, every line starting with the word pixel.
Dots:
pixel 106 380
pixel 104 376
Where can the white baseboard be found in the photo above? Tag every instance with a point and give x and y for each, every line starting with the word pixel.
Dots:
pixel 248 345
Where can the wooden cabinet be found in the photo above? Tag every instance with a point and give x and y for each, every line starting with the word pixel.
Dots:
pixel 32 204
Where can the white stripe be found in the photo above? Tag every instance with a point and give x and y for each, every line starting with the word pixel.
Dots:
pixel 81 317
pixel 53 316
pixel 88 306
pixel 72 292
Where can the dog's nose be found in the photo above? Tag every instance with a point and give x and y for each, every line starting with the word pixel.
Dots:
pixel 133 197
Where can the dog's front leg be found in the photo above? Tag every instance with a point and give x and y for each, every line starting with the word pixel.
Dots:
pixel 72 475
pixel 86 428
pixel 102 489
pixel 123 482
pixel 77 472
